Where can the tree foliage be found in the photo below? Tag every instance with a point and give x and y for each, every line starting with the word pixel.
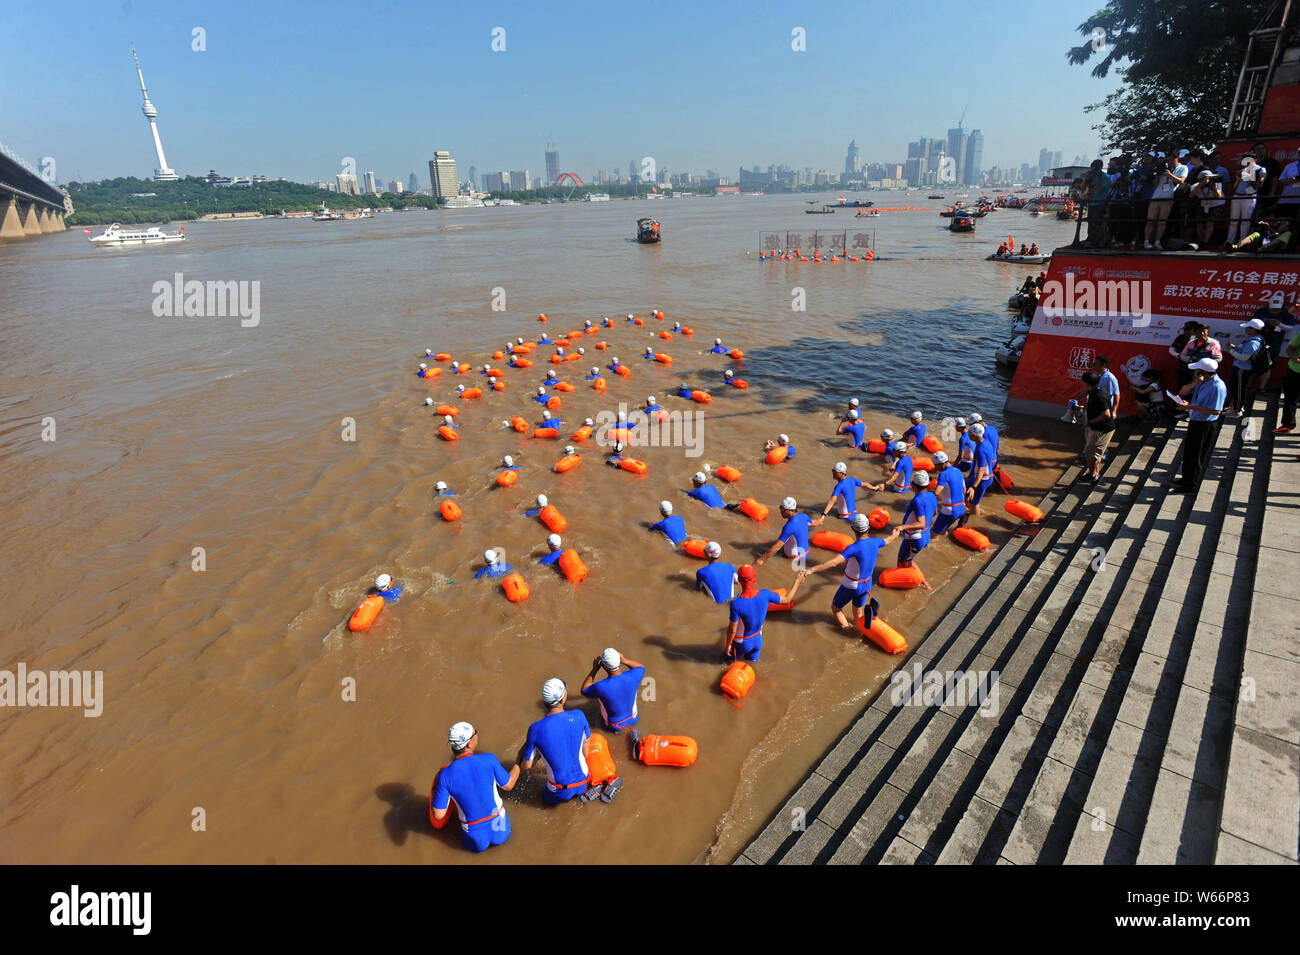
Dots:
pixel 1179 59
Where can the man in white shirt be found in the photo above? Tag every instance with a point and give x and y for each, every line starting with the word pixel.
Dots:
pixel 1242 209
pixel 1169 177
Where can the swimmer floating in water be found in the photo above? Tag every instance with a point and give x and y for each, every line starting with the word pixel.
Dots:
pixel 555 545
pixel 718 348
pixel 672 526
pixel 702 490
pixel 384 587
pixel 495 566
pixel 782 441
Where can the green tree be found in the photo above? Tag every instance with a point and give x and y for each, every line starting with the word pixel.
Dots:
pixel 1179 59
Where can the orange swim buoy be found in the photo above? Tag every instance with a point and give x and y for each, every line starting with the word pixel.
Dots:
pixel 728 473
pixel 753 510
pixel 573 335
pixel 472 393
pixel 687 331
pixel 446 410
pixel 572 357
pixel 573 567
pixel 637 321
pixel 494 373
pixel 553 519
pixel 618 435
pixel 582 434
pixel 498 355
pixel 523 363
pixel 507 478
pixel 876 446
pixel 519 424
pixel 703 397
pixel 448 433
pixel 663 359
pixel 442 356
pixel 694 547
pixel 737 354
pixel 666 335
pixel 623 371
pixel 922 464
pixel 563 386
pixel 601 346
pixel 737 682
pixel 970 537
pixel 777 454
pixel 450 511
pixel 546 433
pixel 542 318
pixel 1002 478
pixel 567 463
pixel 655 750
pixel 902 578
pixel 740 383
pixel 431 373
pixel 659 315
pixel 600 763
pixel 932 444
pixel 553 403
pixel 557 358
pixel 633 465
pixel 1024 511
pixel 498 386
pixel 879 518
pixel 366 613
pixel 882 635
pixel 515 587
pixel 598 384
pixel 831 540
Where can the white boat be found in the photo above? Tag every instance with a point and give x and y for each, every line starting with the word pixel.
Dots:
pixel 1022 259
pixel 325 215
pixel 115 235
pixel 1009 354
pixel 462 202
pixel 597 197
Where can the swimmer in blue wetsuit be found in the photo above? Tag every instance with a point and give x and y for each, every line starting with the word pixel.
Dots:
pixel 981 472
pixel 494 566
pixel 916 522
pixel 704 491
pixel 950 489
pixel 560 738
pixel 744 639
pixel 605 322
pixel 441 488
pixel 683 390
pixel 385 588
pixel 555 546
pixel 595 373
pixel 422 371
pixel 900 470
pixel 859 560
pixel 844 495
pixel 717 578
pixel 450 422
pixel 549 422
pixel 718 348
pixel 782 441
pixel 915 435
pixel 854 428
pixel 541 397
pixel 473 780
pixel 672 526
pixel 652 408
pixel 965 448
pixel 617 693
pixel 794 534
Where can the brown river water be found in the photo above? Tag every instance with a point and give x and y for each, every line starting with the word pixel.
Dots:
pixel 223 688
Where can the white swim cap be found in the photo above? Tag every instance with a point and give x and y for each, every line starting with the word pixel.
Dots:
pixel 568 449
pixel 898 447
pixel 595 370
pixel 977 430
pixel 729 374
pixel 860 523
pixel 581 350
pixel 459 735
pixel 489 557
pixel 618 447
pixel 940 458
pixel 587 322
pixel 440 486
pixel 853 414
pixel 427 402
pixel 554 540
pixel 460 388
pixel 649 350
pixel 650 400
pixel 840 468
pixel 428 351
pixel 917 416
pixel 630 315
pixel 717 341
pixel 676 325
pixel 519 340
pixel 886 436
pixel 588 422
pixel 783 438
pixel 610 659
pixel 487 365
pixel 541 389
pixel 615 361
pixel 507 462
pixel 975 417
pixel 788 504
pixel 382 581
pixel 713 549
pixel 853 402
pixel 959 423
pixel 423 365
pixel 447 420
pixel 921 479
pixel 699 477
pixel 546 416
pixel 665 508
pixel 541 500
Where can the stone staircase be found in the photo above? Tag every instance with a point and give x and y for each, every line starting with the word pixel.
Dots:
pixel 1118 627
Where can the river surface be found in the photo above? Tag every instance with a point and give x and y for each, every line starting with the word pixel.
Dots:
pixel 225 734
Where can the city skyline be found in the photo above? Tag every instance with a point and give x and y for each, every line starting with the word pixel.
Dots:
pixel 276 120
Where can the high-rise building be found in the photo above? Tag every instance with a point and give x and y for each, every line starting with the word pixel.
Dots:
pixel 347 184
pixel 370 183
pixel 852 160
pixel 974 158
pixel 552 164
pixel 473 177
pixel 163 173
pixel 957 152
pixel 442 175
pixel 413 183
pixel 394 186
pixel 1044 161
pixel 519 179
pixel 1056 159
pixel 496 181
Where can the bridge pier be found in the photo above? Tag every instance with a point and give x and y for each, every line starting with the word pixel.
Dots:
pixel 31 218
pixel 51 220
pixel 11 225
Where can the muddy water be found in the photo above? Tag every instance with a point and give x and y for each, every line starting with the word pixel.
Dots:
pixel 224 687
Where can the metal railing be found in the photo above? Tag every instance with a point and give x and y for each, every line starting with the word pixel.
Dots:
pixel 1112 224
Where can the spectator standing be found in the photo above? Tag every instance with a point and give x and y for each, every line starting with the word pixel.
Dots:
pixel 1244 358
pixel 1244 195
pixel 1208 394
pixel 1096 187
pixel 1207 196
pixel 1290 386
pixel 1100 418
pixel 1168 179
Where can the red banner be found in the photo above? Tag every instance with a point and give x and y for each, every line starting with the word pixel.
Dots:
pixel 1130 308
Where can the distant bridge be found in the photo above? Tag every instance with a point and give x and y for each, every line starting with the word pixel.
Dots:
pixel 29 203
pixel 572 177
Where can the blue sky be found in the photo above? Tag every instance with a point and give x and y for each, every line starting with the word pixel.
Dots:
pixel 289 89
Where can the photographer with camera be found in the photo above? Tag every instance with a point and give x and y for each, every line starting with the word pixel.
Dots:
pixel 1170 174
pixel 1207 195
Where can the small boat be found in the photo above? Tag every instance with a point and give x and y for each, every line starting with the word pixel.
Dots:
pixel 1021 327
pixel 962 222
pixel 1009 354
pixel 936 197
pixel 823 211
pixel 647 231
pixel 115 235
pixel 868 214
pixel 325 215
pixel 1022 259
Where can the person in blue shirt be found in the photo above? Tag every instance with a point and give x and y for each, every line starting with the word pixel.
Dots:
pixel 965 447
pixel 541 503
pixel 981 472
pixel 494 566
pixel 704 491
pixel 595 373
pixel 541 397
pixel 474 780
pixel 423 372
pixel 450 422
pixel 991 433
pixel 606 322
pixel 794 534
pixel 672 526
pixel 1208 396
pixel 950 489
pixel 549 422
pixel 385 588
pixel 844 495
pixel 555 547
pixel 649 353
pixel 744 640
pixel 854 428
pixel 551 381
pixel 917 520
pixel 782 441
pixel 915 435
pixel 545 340
pixel 615 365
pixel 684 390
pixel 441 488
pixel 859 560
pixel 560 737
pixel 617 693
pixel 1243 364
pixel 652 408
pixel 717 578
pixel 718 348
pixel 900 470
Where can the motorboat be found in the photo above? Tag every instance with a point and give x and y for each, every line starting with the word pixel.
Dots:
pixel 647 231
pixel 115 235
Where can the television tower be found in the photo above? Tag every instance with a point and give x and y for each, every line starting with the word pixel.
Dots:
pixel 162 173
